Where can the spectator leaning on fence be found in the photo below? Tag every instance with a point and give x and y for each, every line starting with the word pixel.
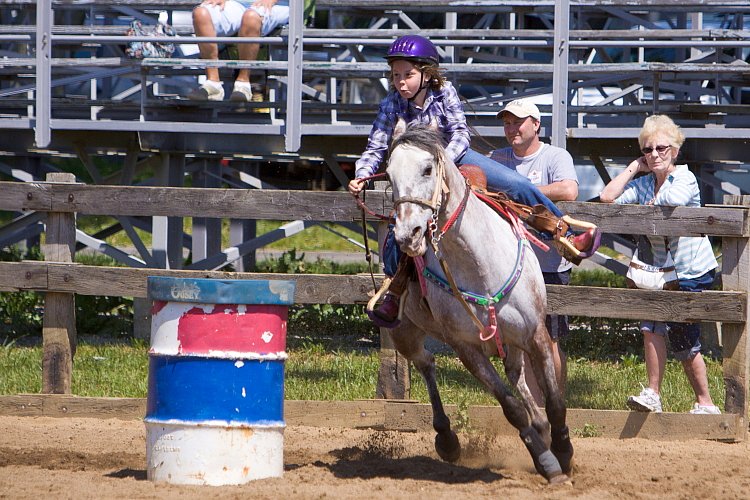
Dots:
pixel 242 18
pixel 666 183
pixel 552 171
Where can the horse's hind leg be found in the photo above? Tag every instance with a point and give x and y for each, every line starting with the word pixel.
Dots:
pixel 480 366
pixel 514 370
pixel 409 341
pixel 543 365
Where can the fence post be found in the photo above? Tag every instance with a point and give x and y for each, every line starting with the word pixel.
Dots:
pixel 735 273
pixel 393 374
pixel 59 323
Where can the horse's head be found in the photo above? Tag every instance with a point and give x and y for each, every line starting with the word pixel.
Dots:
pixel 415 169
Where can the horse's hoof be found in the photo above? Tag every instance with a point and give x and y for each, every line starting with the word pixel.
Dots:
pixel 560 480
pixel 448 447
pixel 566 461
pixel 562 448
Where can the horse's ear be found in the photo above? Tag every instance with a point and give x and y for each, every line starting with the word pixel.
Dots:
pixel 400 128
pixel 434 124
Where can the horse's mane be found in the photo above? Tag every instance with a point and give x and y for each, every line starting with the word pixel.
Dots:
pixel 425 137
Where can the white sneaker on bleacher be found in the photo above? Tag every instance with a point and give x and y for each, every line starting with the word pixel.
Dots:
pixel 241 93
pixel 207 92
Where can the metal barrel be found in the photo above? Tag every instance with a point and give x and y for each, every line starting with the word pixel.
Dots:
pixel 215 405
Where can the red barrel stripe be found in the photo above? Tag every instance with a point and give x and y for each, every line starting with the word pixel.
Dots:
pixel 257 329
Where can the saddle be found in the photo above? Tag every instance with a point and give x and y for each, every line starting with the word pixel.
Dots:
pixel 572 248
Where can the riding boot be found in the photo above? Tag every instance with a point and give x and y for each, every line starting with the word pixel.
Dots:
pixel 571 246
pixel 389 309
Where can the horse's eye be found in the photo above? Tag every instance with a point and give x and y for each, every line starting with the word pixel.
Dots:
pixel 427 172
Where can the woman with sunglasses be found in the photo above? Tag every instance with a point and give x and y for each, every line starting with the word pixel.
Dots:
pixel 667 183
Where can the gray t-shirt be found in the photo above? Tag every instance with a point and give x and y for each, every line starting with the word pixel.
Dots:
pixel 549 164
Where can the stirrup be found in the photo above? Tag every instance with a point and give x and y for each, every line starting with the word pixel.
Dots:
pixel 373 302
pixel 566 248
pixel 578 224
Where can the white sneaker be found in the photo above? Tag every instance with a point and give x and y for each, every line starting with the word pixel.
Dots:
pixel 241 93
pixel 705 410
pixel 207 92
pixel 647 401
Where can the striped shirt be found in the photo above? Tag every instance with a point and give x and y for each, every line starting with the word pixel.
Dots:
pixel 443 105
pixel 693 255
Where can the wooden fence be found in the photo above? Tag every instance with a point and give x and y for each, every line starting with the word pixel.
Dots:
pixel 60 278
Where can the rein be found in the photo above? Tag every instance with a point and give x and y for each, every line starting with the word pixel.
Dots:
pixel 361 203
pixel 365 209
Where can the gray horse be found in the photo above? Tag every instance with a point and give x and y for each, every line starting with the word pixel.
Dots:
pixel 471 252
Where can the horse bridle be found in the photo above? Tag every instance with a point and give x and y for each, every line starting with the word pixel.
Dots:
pixel 434 204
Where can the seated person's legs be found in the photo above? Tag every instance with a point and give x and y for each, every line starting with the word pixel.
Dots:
pixel 256 21
pixel 210 20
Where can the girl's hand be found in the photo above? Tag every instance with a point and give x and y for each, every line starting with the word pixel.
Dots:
pixel 356 185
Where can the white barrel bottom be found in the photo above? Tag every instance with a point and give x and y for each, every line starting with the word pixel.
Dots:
pixel 209 454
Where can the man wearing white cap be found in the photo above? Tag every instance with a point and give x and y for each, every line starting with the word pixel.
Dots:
pixel 551 170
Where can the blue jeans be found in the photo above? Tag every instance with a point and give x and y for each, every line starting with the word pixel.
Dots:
pixel 391 253
pixel 684 338
pixel 510 182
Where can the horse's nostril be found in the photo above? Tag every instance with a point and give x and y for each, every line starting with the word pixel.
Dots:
pixel 416 231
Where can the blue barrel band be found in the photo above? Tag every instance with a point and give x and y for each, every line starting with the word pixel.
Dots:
pixel 214 291
pixel 207 389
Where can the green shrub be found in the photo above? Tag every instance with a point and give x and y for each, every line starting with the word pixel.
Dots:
pixel 601 339
pixel 597 277
pixel 22 312
pixel 291 263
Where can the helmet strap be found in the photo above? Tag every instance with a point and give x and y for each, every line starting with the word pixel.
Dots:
pixel 423 85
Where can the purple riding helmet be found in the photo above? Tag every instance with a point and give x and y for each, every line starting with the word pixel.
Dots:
pixel 413 48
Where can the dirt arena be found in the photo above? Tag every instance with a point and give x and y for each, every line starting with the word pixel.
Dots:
pixel 44 457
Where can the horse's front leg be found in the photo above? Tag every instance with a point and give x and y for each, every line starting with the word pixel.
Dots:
pixel 409 341
pixel 480 366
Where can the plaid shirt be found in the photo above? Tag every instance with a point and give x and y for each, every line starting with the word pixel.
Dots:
pixel 443 105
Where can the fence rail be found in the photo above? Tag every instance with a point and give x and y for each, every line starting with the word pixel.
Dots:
pixel 60 278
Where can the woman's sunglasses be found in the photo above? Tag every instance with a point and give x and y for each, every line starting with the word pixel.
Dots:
pixel 659 149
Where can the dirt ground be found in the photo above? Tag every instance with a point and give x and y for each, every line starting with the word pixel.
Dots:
pixel 43 457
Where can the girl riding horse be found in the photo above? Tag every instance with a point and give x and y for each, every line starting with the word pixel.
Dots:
pixel 483 289
pixel 420 93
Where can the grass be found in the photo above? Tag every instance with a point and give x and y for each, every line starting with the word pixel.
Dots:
pixel 312 239
pixel 314 371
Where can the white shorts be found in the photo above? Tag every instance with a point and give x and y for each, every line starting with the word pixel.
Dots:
pixel 227 21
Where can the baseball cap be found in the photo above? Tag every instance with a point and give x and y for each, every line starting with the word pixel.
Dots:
pixel 521 108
